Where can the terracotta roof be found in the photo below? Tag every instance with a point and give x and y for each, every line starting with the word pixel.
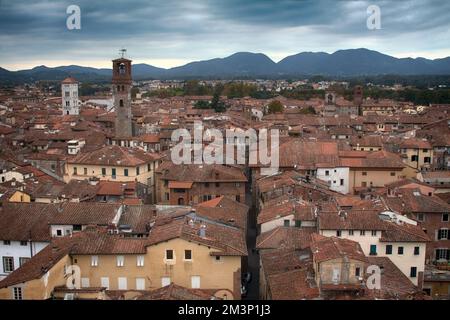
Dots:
pixel 4 130
pixel 394 283
pixel 414 143
pixel 180 184
pixel 138 218
pixel 149 138
pixel 40 263
pixel 411 200
pixel 84 213
pixel 371 220
pixel 305 154
pixel 347 200
pixel 377 159
pixel 366 141
pixel 115 156
pixel 212 203
pixel 226 240
pixel 81 243
pixel 47 190
pixel 282 260
pixel 99 242
pixel 110 188
pixel 132 201
pixel 301 211
pixel 270 183
pixel 403 232
pixel 80 189
pixel 176 292
pixel 201 173
pixel 329 248
pixel 354 220
pixel 69 80
pixel 22 222
pixel 436 175
pixel 226 211
pixel 293 285
pixel 405 182
pixel 285 237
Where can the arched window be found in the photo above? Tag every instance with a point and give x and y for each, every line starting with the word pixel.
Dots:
pixel 330 98
pixel 122 68
pixel 123 88
pixel 118 88
pixel 121 103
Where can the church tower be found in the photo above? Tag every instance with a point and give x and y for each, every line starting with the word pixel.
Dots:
pixel 357 95
pixel 358 98
pixel 69 92
pixel 121 91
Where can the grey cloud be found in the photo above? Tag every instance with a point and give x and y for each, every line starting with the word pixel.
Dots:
pixel 209 28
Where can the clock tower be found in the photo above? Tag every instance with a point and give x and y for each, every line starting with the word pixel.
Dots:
pixel 121 91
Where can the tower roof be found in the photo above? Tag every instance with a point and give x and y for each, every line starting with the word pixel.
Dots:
pixel 69 80
pixel 121 59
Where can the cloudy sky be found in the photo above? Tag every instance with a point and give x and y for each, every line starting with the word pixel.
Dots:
pixel 169 33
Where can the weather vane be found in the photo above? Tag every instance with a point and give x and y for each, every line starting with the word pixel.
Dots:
pixel 122 52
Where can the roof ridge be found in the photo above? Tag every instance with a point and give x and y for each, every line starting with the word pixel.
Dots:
pixel 271 234
pixel 410 232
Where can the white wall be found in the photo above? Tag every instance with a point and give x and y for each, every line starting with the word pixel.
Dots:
pixel 403 262
pixel 65 229
pixel 277 223
pixel 334 178
pixel 9 175
pixel 73 107
pixel 18 251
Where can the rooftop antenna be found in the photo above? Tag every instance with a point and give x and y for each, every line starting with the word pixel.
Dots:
pixel 122 52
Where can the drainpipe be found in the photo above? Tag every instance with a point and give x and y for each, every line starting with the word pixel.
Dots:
pixel 31 245
pixel 418 159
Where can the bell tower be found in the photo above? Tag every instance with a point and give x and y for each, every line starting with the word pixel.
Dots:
pixel 357 95
pixel 121 91
pixel 69 91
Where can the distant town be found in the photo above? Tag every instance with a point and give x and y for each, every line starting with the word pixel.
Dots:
pixel 92 205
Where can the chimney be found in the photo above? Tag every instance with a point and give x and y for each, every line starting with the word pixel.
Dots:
pixel 420 280
pixel 202 231
pixel 93 181
pixel 55 248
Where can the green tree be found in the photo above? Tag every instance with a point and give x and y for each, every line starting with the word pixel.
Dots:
pixel 275 106
pixel 202 104
pixel 216 104
pixel 134 92
pixel 191 88
pixel 308 110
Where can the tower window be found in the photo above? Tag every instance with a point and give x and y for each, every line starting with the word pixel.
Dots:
pixel 122 68
pixel 121 103
pixel 118 88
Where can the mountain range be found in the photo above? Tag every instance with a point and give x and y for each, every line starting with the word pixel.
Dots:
pixel 342 63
